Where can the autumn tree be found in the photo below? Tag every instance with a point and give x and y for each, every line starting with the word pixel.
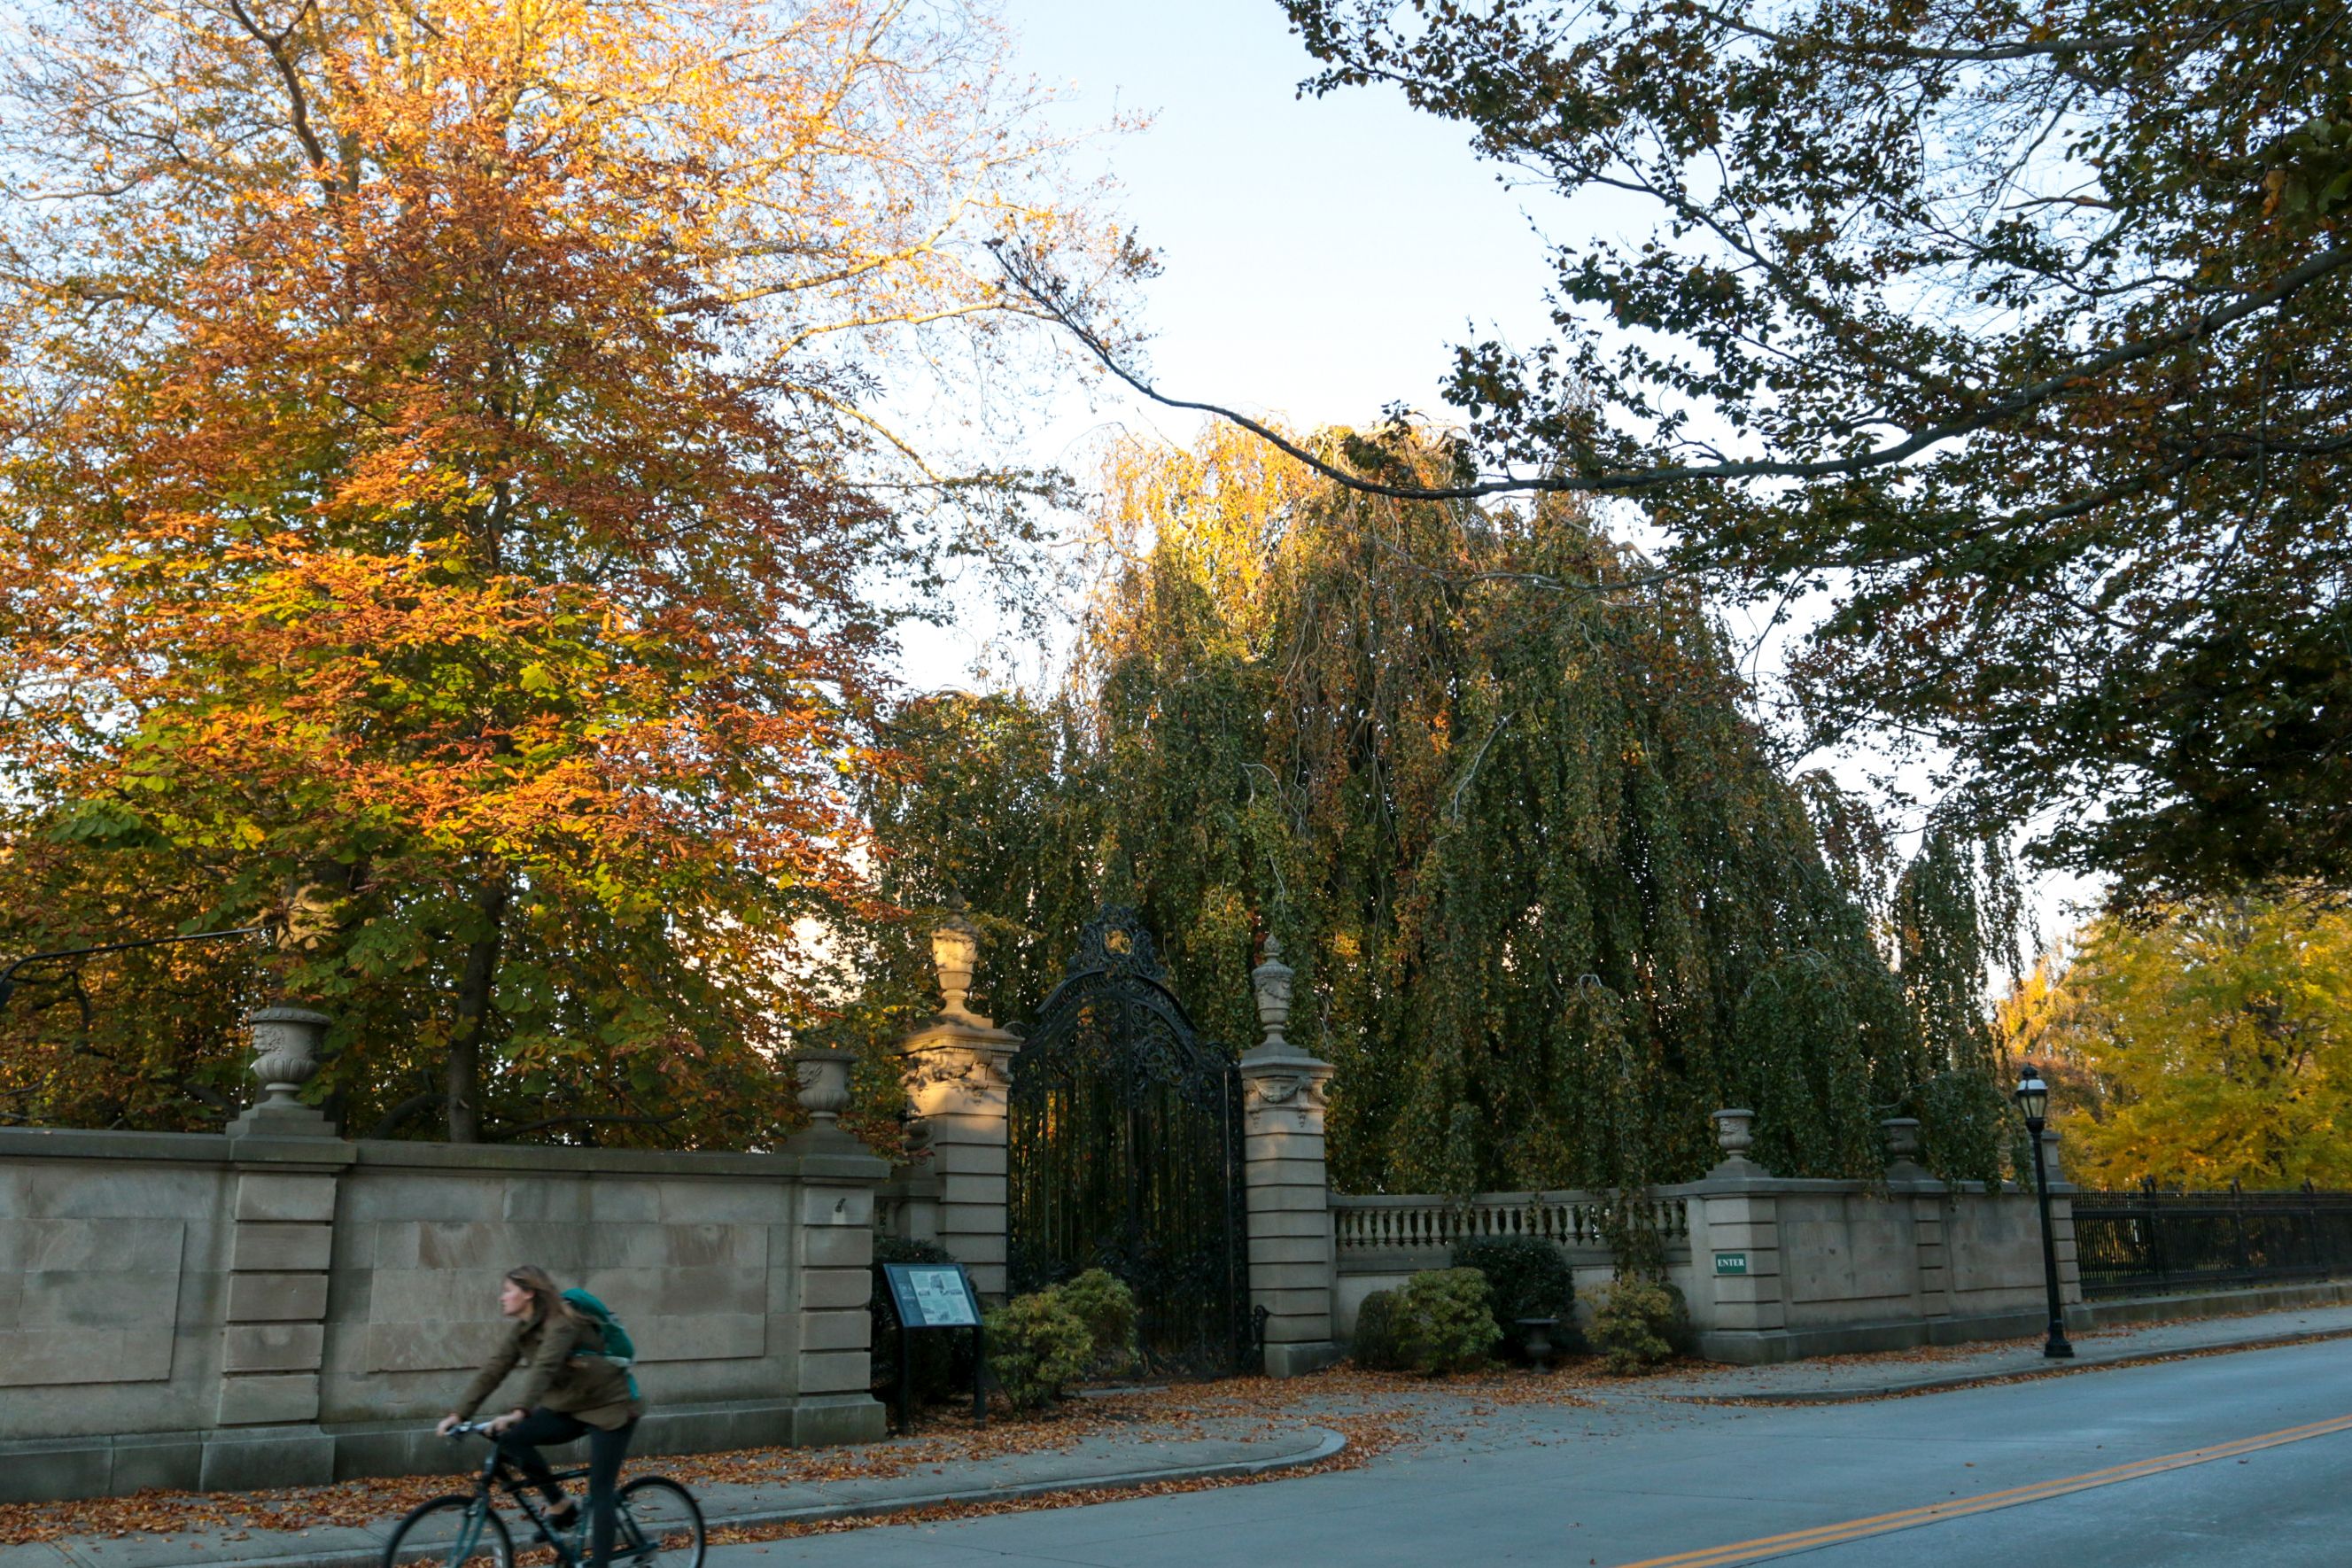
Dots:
pixel 2007 336
pixel 447 512
pixel 2211 1043
pixel 1549 900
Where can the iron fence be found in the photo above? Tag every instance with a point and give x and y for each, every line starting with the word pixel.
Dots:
pixel 2145 1241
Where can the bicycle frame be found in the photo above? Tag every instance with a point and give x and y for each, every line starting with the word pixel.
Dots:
pixel 496 1475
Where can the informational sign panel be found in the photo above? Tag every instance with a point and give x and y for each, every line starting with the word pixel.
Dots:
pixel 1731 1263
pixel 933 1295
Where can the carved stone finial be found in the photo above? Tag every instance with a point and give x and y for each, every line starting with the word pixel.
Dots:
pixel 955 944
pixel 1271 981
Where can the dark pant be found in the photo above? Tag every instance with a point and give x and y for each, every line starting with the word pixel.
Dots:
pixel 520 1443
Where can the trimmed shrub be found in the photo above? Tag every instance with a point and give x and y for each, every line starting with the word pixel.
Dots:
pixel 1632 1323
pixel 1443 1322
pixel 1375 1347
pixel 942 1362
pixel 1036 1347
pixel 1526 1278
pixel 1103 1303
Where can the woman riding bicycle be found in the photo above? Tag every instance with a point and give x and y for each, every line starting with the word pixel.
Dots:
pixel 569 1389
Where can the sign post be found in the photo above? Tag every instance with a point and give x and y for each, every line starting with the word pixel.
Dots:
pixel 935 1295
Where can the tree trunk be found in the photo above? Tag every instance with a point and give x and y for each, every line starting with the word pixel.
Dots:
pixel 464 1090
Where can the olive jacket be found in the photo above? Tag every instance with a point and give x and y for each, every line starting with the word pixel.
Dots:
pixel 560 1373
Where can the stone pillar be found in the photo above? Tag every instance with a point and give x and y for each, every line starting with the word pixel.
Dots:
pixel 1908 1182
pixel 1739 1303
pixel 832 1258
pixel 1929 1205
pixel 958 1069
pixel 1293 1267
pixel 286 1159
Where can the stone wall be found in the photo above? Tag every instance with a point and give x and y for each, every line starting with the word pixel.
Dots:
pixel 182 1309
pixel 1770 1269
pixel 1784 1270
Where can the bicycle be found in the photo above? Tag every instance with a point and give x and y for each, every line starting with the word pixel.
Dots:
pixel 656 1523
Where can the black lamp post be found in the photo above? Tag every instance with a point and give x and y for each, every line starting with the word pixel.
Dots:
pixel 2033 1099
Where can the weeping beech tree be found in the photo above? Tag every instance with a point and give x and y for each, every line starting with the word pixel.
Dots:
pixel 1548 898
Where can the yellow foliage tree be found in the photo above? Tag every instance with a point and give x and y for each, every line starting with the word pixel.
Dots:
pixel 450 512
pixel 2214 1044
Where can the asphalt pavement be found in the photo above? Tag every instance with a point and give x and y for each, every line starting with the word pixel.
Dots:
pixel 2211 1462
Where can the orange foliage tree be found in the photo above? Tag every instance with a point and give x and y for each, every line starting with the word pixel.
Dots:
pixel 444 512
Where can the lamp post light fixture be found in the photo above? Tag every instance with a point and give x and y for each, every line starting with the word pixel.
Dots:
pixel 2033 1099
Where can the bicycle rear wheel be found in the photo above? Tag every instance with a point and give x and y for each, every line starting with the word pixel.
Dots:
pixel 660 1523
pixel 453 1531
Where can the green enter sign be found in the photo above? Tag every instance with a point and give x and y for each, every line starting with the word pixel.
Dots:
pixel 1731 1263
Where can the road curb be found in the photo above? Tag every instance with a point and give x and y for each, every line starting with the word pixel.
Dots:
pixel 1987 1379
pixel 1327 1445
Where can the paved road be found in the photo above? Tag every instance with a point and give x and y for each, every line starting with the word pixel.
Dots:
pixel 1638 1481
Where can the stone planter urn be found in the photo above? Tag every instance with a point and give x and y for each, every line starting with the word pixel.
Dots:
pixel 824 1084
pixel 1535 1340
pixel 1902 1134
pixel 286 1042
pixel 1734 1130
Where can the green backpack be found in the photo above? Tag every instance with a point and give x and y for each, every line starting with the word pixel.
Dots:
pixel 613 1340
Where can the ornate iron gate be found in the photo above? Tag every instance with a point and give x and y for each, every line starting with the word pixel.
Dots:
pixel 1126 1152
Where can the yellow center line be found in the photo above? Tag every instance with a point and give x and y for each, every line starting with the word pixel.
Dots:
pixel 1983 1502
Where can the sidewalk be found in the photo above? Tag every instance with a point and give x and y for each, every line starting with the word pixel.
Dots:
pixel 1893 1373
pixel 1125 1441
pixel 235 1536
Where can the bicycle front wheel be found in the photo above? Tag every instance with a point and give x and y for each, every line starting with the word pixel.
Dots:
pixel 453 1531
pixel 660 1523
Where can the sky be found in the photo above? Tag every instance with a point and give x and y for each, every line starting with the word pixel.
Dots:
pixel 1322 255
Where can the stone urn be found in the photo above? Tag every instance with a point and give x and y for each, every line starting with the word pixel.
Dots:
pixel 1734 1130
pixel 286 1044
pixel 955 949
pixel 1271 983
pixel 1902 1134
pixel 824 1083
pixel 1535 1341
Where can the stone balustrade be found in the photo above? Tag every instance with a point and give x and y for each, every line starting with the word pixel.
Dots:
pixel 1421 1223
pixel 1384 1240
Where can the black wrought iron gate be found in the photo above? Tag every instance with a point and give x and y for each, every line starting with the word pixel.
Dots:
pixel 1126 1152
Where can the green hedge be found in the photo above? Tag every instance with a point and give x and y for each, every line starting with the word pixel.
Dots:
pixel 1635 1324
pixel 1441 1321
pixel 1040 1343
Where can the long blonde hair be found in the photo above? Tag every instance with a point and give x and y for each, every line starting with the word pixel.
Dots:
pixel 546 1299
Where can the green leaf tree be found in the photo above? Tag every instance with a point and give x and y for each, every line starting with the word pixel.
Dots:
pixel 1549 901
pixel 2014 330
